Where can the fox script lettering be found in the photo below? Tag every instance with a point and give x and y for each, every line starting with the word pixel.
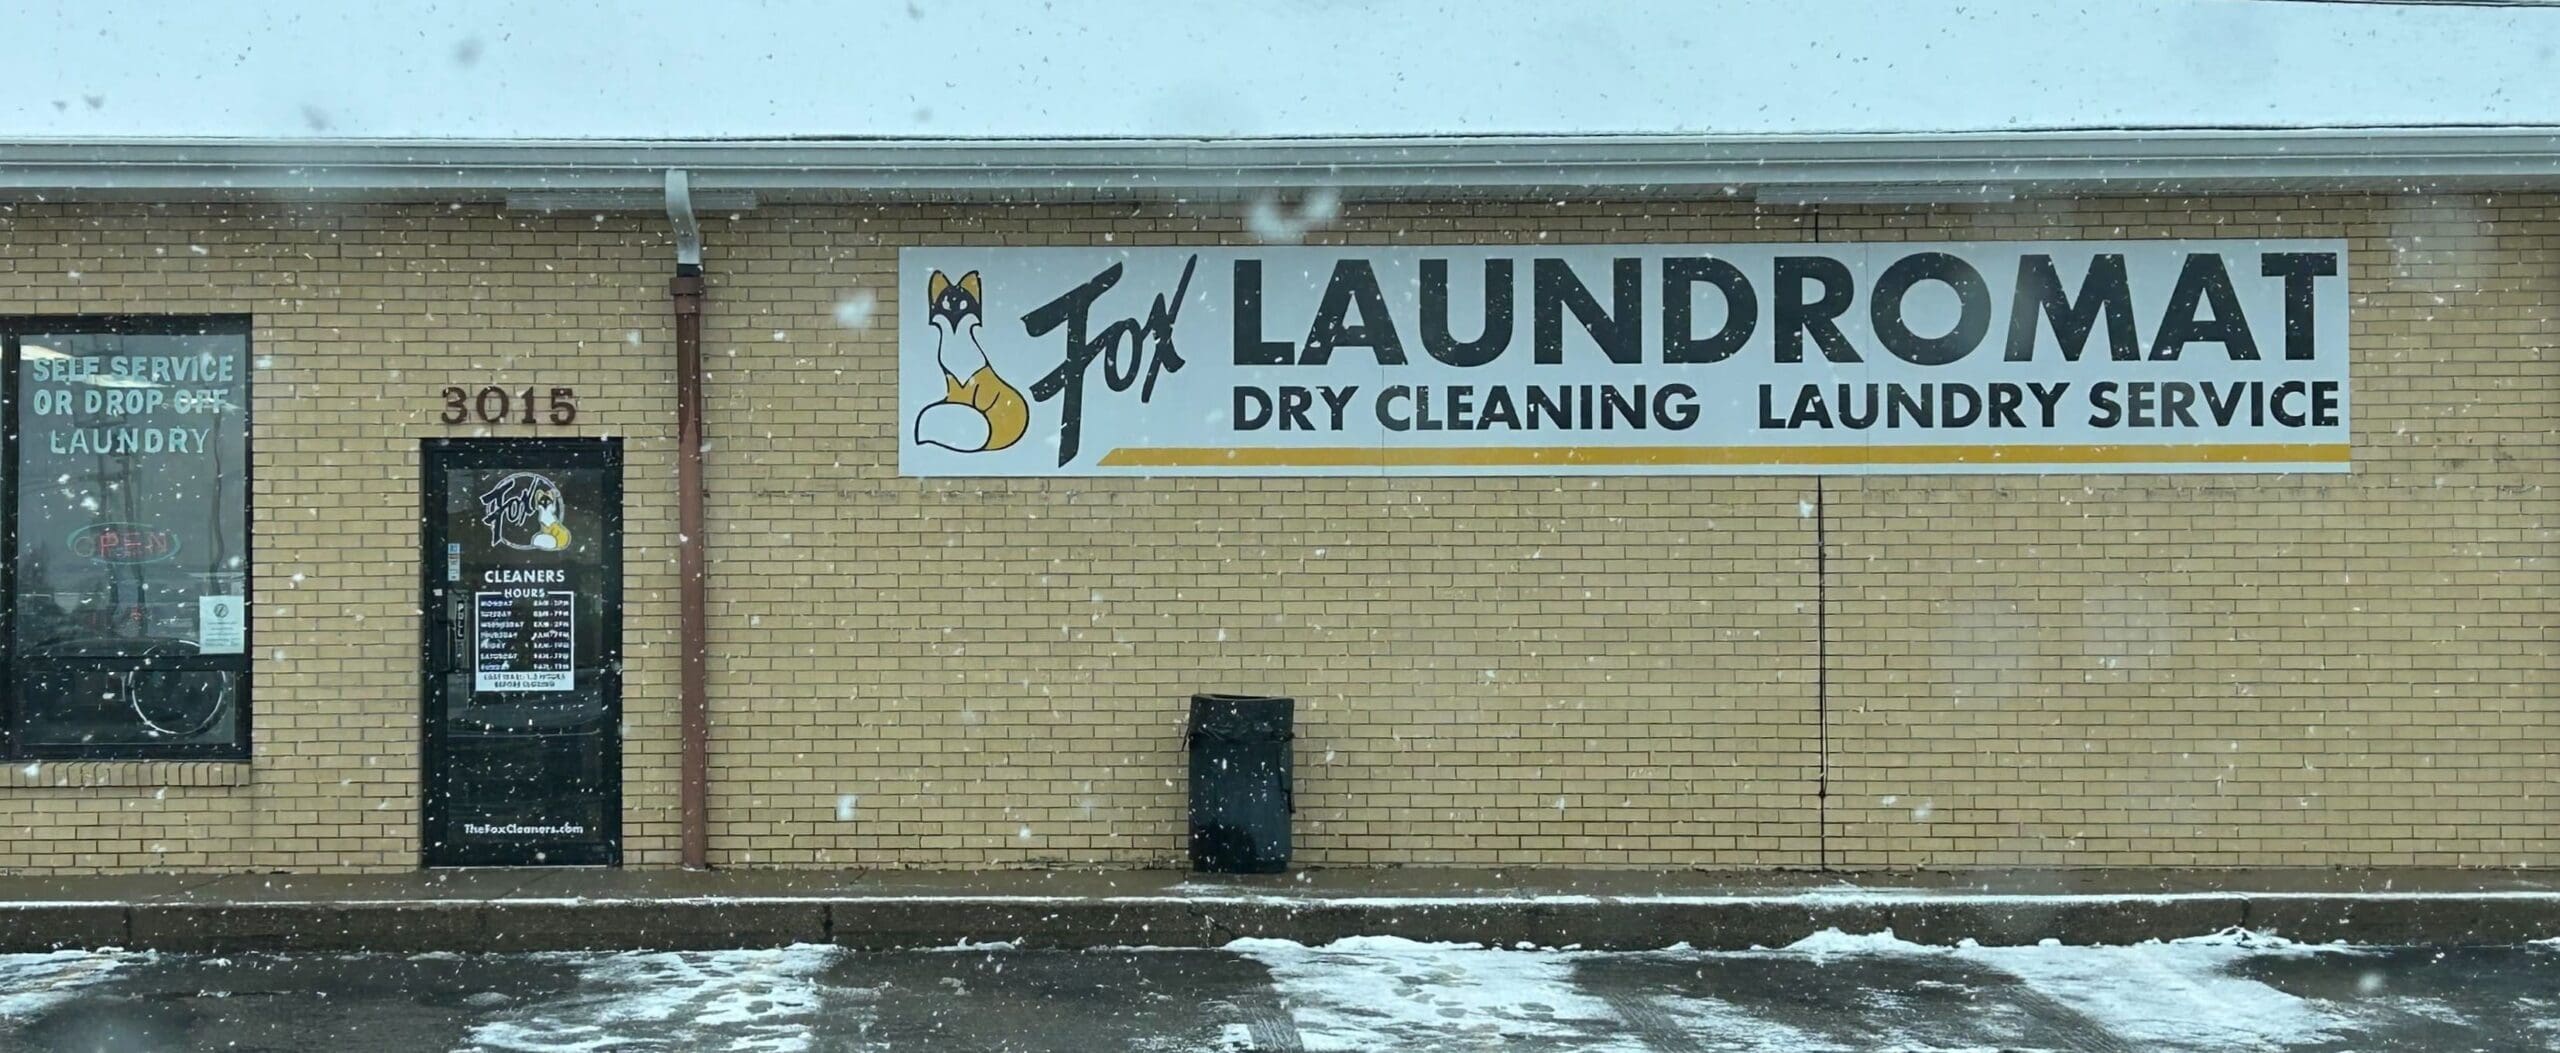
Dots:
pixel 1066 382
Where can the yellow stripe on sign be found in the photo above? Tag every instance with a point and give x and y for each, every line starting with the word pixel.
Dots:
pixel 1714 456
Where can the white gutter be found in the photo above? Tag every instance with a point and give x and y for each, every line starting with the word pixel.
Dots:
pixel 688 232
pixel 782 170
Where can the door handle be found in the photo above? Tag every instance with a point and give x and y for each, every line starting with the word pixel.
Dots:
pixel 457 620
pixel 437 643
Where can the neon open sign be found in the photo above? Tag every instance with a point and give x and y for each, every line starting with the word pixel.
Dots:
pixel 123 543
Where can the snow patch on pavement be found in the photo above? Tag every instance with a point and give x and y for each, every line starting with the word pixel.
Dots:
pixel 1373 993
pixel 2542 1019
pixel 1833 941
pixel 736 1001
pixel 33 983
pixel 2180 995
pixel 1378 993
pixel 1728 1028
pixel 2172 996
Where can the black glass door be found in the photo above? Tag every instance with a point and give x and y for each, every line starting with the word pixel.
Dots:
pixel 522 596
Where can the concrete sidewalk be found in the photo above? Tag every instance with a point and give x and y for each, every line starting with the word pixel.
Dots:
pixel 519 910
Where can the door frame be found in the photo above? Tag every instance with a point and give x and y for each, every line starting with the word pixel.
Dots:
pixel 438 456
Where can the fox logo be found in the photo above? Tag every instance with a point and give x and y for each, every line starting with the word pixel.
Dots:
pixel 524 511
pixel 979 410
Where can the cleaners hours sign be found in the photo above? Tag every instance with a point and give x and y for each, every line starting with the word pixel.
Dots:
pixel 1908 358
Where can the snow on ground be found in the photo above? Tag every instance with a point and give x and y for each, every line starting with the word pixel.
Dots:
pixel 1828 993
pixel 1728 1028
pixel 1375 993
pixel 2183 994
pixel 738 1001
pixel 32 983
pixel 2545 1019
pixel 2180 995
pixel 1383 992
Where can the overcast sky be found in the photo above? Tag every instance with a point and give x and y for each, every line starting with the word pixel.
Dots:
pixel 491 69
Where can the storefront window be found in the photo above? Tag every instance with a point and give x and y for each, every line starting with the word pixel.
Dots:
pixel 128 578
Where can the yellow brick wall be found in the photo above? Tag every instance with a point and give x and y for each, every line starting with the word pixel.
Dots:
pixel 1622 671
pixel 2075 671
pixel 994 672
pixel 2233 670
pixel 362 314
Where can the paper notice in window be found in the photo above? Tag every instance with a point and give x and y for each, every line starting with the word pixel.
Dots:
pixel 525 640
pixel 222 624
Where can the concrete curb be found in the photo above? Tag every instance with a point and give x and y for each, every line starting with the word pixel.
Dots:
pixel 885 923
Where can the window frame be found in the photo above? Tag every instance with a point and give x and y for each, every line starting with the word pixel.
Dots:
pixel 13 329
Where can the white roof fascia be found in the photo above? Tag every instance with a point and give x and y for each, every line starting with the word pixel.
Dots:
pixel 2025 163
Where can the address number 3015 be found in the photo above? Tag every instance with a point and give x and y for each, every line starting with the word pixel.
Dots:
pixel 497 405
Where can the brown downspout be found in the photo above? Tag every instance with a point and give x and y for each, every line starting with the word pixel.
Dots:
pixel 694 765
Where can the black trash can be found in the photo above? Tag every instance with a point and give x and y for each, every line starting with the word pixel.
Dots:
pixel 1240 793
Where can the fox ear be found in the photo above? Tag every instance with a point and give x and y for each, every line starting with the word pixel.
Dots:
pixel 969 284
pixel 934 286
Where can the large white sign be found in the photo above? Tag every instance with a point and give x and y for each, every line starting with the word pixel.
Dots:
pixel 1903 358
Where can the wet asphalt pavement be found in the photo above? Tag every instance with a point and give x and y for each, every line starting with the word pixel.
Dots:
pixel 1851 993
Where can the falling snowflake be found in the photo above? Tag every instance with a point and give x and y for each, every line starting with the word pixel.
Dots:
pixel 1274 224
pixel 855 311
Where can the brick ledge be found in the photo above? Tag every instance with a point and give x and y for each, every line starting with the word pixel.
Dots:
pixel 81 774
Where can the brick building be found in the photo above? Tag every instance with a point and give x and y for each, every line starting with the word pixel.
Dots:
pixel 2230 662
